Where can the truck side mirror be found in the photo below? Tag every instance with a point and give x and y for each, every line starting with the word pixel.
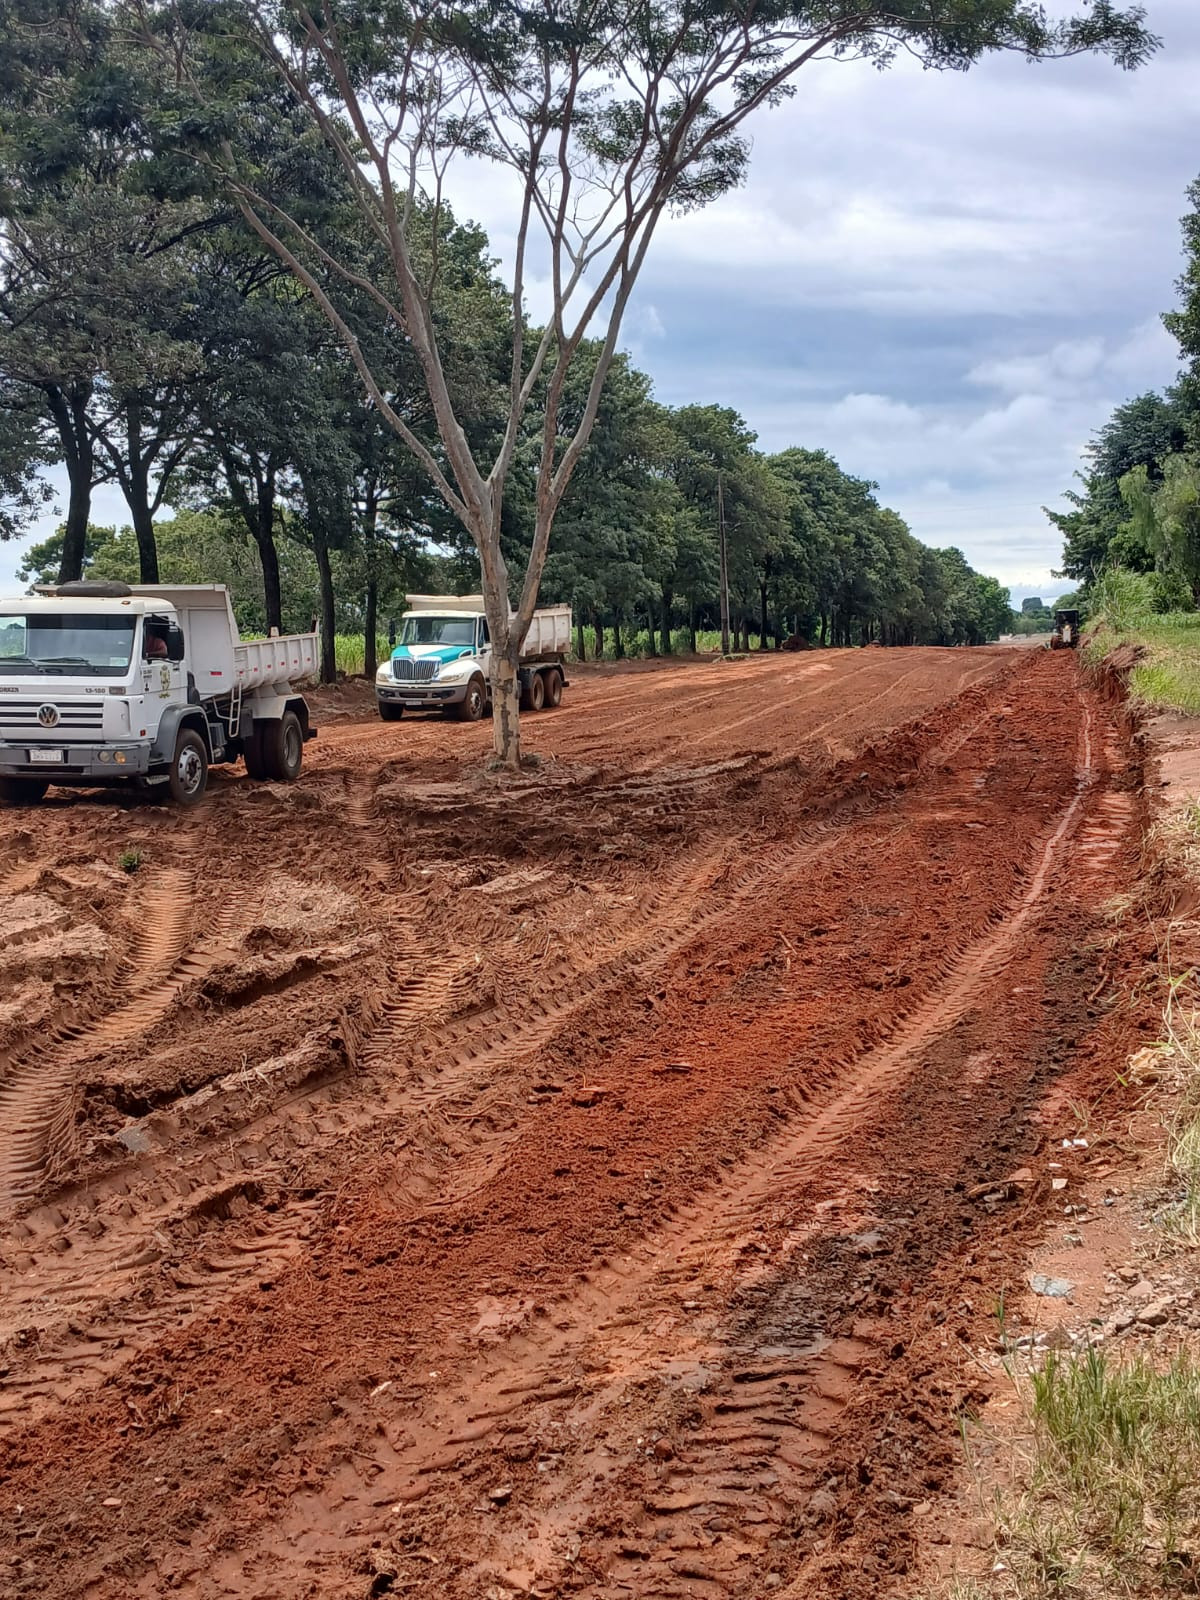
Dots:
pixel 175 644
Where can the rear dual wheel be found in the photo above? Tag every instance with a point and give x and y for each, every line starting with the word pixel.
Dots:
pixel 542 690
pixel 274 751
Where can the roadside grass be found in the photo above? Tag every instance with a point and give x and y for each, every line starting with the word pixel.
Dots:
pixel 1108 1473
pixel 349 649
pixel 1181 1217
pixel 1167 678
pixel 1113 1503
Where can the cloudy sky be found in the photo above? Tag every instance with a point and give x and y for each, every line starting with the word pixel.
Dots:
pixel 947 281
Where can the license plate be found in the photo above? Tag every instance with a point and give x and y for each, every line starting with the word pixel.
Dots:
pixel 50 757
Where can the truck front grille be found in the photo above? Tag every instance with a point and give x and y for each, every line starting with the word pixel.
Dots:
pixel 407 670
pixel 21 717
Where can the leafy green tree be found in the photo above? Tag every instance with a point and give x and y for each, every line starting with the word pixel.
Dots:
pixel 1166 516
pixel 608 115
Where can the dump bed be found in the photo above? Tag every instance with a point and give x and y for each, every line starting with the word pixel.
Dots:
pixel 549 633
pixel 275 662
pixel 219 660
pixel 549 629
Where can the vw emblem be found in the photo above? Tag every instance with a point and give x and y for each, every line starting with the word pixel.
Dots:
pixel 48 716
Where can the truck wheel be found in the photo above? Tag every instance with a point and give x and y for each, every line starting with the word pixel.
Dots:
pixel 252 753
pixel 22 791
pixel 283 748
pixel 537 692
pixel 474 703
pixel 188 777
pixel 554 688
pixel 390 712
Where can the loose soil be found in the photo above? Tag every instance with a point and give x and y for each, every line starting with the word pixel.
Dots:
pixel 416 1181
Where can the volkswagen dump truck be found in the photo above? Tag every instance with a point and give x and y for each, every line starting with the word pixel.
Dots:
pixel 144 684
pixel 442 659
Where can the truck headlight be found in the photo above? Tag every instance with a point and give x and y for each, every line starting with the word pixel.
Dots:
pixel 384 675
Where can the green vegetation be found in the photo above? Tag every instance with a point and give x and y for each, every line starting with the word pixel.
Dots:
pixel 1132 535
pixel 1112 1504
pixel 1102 1499
pixel 359 414
pixel 130 861
pixel 1166 676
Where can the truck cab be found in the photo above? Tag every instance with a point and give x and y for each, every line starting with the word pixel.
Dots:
pixel 105 684
pixel 443 654
pixel 441 660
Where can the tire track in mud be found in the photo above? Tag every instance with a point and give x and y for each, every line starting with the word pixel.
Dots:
pixel 38 1078
pixel 434 1058
pixel 442 1085
pixel 762 1414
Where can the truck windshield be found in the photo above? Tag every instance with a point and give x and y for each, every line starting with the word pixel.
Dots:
pixel 438 630
pixel 64 645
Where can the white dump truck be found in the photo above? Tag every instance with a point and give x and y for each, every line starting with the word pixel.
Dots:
pixel 108 683
pixel 442 659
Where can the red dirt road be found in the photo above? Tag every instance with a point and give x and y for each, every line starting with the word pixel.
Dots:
pixel 581 1184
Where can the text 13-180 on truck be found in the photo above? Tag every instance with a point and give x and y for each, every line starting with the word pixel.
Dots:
pixel 442 659
pixel 144 684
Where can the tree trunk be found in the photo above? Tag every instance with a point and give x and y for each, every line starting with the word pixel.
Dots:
pixel 580 642
pixel 371 606
pixel 506 706
pixel 653 647
pixel 371 629
pixel 325 582
pixel 599 625
pixel 618 641
pixel 272 596
pixel 692 626
pixel 143 527
pixel 762 633
pixel 259 517
pixel 70 417
pixel 668 601
pixel 136 487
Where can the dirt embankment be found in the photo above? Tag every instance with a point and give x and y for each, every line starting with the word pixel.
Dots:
pixel 573 1185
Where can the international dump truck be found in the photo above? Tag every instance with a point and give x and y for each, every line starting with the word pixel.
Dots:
pixel 442 659
pixel 145 685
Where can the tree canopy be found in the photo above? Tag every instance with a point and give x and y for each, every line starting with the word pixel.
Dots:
pixel 233 286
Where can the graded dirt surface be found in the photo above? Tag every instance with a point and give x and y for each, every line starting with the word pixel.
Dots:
pixel 593 1182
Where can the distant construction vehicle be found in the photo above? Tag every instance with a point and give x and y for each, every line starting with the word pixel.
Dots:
pixel 144 684
pixel 443 655
pixel 1066 630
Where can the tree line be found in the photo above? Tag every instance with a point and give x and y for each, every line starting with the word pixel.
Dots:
pixel 214 295
pixel 1137 507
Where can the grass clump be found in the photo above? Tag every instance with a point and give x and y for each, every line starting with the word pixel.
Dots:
pixel 129 861
pixel 1112 1505
pixel 1129 606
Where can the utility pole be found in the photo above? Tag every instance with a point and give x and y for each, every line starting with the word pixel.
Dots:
pixel 724 567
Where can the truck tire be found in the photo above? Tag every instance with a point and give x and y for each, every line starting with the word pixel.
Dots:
pixel 22 791
pixel 554 688
pixel 473 704
pixel 536 692
pixel 188 777
pixel 389 712
pixel 252 754
pixel 283 748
